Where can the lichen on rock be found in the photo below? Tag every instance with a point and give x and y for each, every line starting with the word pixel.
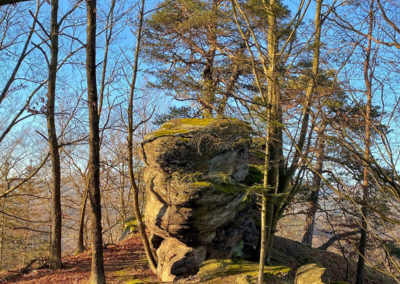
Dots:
pixel 195 169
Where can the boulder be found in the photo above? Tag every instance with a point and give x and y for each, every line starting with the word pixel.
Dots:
pixel 309 274
pixel 238 272
pixel 177 260
pixel 196 204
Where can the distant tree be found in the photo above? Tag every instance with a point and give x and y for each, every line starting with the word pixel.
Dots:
pixel 366 29
pixel 329 100
pixel 7 88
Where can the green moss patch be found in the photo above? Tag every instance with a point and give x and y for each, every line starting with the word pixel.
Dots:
pixel 222 182
pixel 202 184
pixel 181 126
pixel 169 132
pixel 215 270
pixel 195 121
pixel 228 188
pixel 126 276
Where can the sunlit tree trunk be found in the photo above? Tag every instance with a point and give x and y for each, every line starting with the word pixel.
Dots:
pixel 277 179
pixel 314 195
pixel 313 202
pixel 135 188
pixel 97 274
pixel 272 109
pixel 365 192
pixel 55 244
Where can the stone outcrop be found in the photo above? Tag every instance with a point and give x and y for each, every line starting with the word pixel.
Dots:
pixel 196 205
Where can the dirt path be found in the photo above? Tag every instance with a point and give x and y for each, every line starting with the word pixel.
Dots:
pixel 124 262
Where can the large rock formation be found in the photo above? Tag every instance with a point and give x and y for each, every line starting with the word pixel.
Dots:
pixel 196 205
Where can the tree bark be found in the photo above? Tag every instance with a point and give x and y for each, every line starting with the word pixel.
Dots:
pixel 314 195
pixel 278 179
pixel 55 244
pixel 313 203
pixel 365 192
pixel 272 108
pixel 97 273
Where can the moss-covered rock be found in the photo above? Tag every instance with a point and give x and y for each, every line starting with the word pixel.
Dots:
pixel 229 271
pixel 309 274
pixel 194 176
pixel 196 145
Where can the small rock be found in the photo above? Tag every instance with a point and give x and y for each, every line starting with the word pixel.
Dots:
pixel 309 274
pixel 177 261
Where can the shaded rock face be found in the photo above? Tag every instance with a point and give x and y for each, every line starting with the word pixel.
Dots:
pixel 196 205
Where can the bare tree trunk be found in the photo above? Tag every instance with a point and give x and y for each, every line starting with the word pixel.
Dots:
pixel 314 195
pixel 229 87
pixel 109 32
pixel 80 246
pixel 335 238
pixel 97 274
pixel 135 188
pixel 278 179
pixel 364 207
pixel 271 114
pixel 55 245
pixel 310 218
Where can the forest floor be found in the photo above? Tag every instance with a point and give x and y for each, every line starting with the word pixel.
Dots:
pixel 125 262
